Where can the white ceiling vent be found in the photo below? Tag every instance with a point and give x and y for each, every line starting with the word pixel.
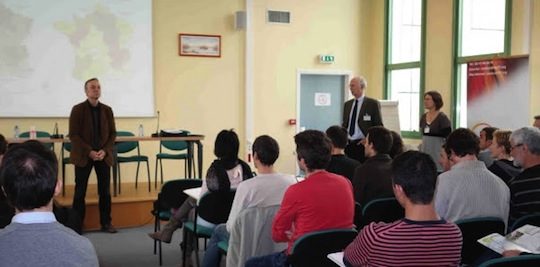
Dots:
pixel 283 17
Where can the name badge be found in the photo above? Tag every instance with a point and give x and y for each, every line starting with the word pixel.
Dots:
pixel 426 129
pixel 367 117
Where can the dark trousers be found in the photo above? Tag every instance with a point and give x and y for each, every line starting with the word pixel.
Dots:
pixel 355 150
pixel 103 172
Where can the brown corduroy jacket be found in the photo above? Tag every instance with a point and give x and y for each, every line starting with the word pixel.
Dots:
pixel 81 134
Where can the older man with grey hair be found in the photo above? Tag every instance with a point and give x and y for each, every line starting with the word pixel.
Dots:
pixel 359 114
pixel 525 188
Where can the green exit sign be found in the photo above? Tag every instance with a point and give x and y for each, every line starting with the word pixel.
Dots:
pixel 326 59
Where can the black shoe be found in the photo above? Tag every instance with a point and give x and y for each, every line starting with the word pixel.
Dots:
pixel 108 229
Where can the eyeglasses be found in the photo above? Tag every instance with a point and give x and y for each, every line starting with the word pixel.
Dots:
pixel 516 146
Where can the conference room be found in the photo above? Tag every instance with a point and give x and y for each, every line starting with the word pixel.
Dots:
pixel 270 67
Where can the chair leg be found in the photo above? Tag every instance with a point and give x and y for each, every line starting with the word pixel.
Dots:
pixel 148 175
pixel 63 179
pixel 185 169
pixel 156 172
pixel 137 174
pixel 161 169
pixel 119 179
pixel 184 233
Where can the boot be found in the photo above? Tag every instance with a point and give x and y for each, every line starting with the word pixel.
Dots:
pixel 165 234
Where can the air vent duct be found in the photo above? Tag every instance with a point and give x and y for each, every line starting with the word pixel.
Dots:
pixel 283 17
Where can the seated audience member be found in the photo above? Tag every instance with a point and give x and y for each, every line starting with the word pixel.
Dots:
pixel 6 211
pixel 486 138
pixel 224 173
pixel 422 238
pixel 34 237
pixel 500 148
pixel 536 122
pixel 525 188
pixel 340 163
pixel 397 145
pixel 322 201
pixel 469 189
pixel 372 179
pixel 444 160
pixel 264 190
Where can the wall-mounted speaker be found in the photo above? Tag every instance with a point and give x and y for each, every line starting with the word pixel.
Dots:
pixel 240 20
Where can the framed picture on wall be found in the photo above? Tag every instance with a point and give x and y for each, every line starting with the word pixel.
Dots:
pixel 199 45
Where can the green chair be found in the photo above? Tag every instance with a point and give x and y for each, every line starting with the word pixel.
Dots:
pixel 39 134
pixel 65 161
pixel 127 147
pixel 379 210
pixel 532 219
pixel 473 229
pixel 213 207
pixel 311 249
pixel 176 146
pixel 519 261
pixel 170 197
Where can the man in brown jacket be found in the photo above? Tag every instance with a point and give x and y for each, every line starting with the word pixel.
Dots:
pixel 92 133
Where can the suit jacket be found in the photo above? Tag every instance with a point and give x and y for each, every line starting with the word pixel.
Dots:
pixel 370 107
pixel 81 134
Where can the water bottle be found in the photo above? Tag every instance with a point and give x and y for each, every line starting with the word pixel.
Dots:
pixel 16 131
pixel 33 134
pixel 141 130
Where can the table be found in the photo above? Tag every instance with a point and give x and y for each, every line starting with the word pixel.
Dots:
pixel 192 138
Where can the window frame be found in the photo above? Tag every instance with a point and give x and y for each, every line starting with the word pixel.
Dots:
pixel 458 60
pixel 389 67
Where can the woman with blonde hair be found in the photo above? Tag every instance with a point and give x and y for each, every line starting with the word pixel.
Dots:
pixel 500 148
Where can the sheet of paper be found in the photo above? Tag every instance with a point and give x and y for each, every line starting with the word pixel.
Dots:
pixel 337 258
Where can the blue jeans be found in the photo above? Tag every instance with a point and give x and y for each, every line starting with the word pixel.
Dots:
pixel 278 259
pixel 212 256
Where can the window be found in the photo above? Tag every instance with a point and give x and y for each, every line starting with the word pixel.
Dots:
pixel 404 60
pixel 481 34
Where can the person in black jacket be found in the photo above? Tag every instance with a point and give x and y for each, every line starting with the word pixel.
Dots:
pixel 340 163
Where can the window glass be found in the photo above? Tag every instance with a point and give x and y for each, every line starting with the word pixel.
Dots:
pixel 405 88
pixel 406 22
pixel 482 27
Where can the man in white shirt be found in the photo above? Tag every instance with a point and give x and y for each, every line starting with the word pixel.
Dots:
pixel 28 176
pixel 265 189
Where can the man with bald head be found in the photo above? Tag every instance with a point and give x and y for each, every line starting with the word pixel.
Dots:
pixel 359 114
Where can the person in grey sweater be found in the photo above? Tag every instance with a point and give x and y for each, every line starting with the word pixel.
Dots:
pixel 469 189
pixel 28 177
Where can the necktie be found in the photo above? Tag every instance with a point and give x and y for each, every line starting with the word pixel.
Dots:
pixel 352 124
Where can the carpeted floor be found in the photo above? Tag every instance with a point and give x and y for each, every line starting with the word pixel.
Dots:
pixel 133 247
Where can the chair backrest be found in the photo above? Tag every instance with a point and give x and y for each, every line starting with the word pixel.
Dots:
pixel 381 210
pixel 125 147
pixel 172 196
pixel 519 261
pixel 175 145
pixel 251 235
pixel 214 207
pixel 473 229
pixel 311 249
pixel 532 219
pixel 39 134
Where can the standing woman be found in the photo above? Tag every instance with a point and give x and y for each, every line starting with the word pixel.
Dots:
pixel 435 126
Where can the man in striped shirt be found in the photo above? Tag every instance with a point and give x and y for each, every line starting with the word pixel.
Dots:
pixel 422 238
pixel 525 188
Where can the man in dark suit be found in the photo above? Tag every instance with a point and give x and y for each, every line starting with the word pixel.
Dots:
pixel 92 133
pixel 359 114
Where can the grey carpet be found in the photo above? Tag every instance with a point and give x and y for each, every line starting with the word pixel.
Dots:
pixel 133 247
